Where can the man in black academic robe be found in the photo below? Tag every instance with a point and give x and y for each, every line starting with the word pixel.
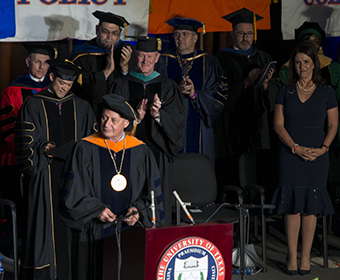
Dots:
pixel 46 121
pixel 103 59
pixel 202 83
pixel 161 108
pixel 93 199
pixel 11 100
pixel 246 121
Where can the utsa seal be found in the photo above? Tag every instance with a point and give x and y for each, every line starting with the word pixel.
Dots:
pixel 191 258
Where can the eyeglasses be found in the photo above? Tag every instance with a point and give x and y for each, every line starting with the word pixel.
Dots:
pixel 184 34
pixel 242 34
pixel 115 33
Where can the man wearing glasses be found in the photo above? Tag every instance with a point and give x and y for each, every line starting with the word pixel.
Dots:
pixel 202 82
pixel 103 59
pixel 245 123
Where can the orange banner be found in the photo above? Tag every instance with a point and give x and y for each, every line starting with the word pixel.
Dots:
pixel 208 11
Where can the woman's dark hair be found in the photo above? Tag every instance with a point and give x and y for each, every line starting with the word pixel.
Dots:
pixel 309 50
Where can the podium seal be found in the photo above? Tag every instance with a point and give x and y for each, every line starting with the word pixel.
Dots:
pixel 191 258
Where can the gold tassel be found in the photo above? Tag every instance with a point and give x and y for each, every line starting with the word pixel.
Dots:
pixel 159 44
pixel 203 28
pixel 80 79
pixel 55 53
pixel 255 30
pixel 125 30
pixel 150 7
pixel 133 130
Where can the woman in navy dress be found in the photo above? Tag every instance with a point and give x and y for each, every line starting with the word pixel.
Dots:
pixel 305 119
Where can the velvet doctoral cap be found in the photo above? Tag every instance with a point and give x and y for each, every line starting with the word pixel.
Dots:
pixel 41 49
pixel 310 28
pixel 242 16
pixel 185 24
pixel 110 18
pixel 65 69
pixel 118 104
pixel 147 44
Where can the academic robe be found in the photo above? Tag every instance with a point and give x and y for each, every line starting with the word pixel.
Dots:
pixel 11 100
pixel 211 87
pixel 86 192
pixel 92 59
pixel 246 121
pixel 166 138
pixel 44 119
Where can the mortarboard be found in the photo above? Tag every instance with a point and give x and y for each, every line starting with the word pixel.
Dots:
pixel 112 18
pixel 310 28
pixel 41 49
pixel 186 24
pixel 243 16
pixel 147 44
pixel 65 69
pixel 119 105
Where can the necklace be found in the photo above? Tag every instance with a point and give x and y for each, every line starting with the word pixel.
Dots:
pixel 305 91
pixel 180 63
pixel 118 181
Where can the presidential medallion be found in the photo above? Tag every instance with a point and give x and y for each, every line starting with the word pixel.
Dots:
pixel 118 182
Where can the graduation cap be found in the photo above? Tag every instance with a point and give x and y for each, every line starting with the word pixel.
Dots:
pixel 65 69
pixel 310 28
pixel 112 18
pixel 41 49
pixel 147 44
pixel 243 16
pixel 119 105
pixel 186 24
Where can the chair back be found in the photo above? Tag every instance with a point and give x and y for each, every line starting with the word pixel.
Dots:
pixel 193 177
pixel 259 167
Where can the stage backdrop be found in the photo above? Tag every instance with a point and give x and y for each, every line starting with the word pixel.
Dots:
pixel 49 20
pixel 208 11
pixel 296 12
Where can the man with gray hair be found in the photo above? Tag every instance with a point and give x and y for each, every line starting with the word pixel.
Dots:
pixel 11 99
pixel 161 110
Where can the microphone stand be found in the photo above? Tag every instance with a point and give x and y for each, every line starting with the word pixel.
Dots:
pixel 243 213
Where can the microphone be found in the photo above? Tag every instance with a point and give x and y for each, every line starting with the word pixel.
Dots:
pixel 184 207
pixel 153 209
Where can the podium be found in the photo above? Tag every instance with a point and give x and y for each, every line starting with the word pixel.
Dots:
pixel 171 252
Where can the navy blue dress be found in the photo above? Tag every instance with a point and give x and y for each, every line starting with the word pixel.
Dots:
pixel 302 184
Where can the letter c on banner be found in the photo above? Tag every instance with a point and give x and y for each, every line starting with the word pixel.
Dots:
pixel 309 2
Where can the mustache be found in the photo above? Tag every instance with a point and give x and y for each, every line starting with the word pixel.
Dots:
pixel 108 41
